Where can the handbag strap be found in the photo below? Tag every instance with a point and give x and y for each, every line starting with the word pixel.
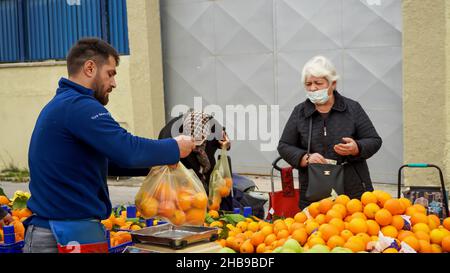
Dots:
pixel 309 136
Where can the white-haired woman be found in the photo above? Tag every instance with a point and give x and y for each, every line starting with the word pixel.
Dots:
pixel 341 131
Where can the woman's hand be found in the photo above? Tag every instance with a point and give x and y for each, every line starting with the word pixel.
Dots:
pixel 313 158
pixel 348 148
pixel 226 141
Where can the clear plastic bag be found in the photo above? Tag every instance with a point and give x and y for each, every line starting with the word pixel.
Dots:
pixel 174 194
pixel 221 182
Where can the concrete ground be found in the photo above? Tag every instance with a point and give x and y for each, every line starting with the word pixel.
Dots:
pixel 123 191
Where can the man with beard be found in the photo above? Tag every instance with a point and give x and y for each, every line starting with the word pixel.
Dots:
pixel 73 139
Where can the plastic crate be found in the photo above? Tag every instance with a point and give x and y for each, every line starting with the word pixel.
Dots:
pixel 120 248
pixel 12 248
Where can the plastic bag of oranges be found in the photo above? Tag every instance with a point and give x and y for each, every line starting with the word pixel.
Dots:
pixel 174 194
pixel 220 183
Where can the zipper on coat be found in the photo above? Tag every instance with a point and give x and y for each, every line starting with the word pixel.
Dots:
pixel 324 127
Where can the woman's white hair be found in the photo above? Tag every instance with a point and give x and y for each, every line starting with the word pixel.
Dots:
pixel 319 66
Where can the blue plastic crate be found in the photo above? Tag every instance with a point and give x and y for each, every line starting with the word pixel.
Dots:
pixel 120 248
pixel 12 248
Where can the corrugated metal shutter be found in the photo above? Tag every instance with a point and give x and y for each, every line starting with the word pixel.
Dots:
pixel 35 30
pixel 9 40
pixel 118 25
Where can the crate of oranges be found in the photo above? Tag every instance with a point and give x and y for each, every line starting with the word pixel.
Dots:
pixel 172 194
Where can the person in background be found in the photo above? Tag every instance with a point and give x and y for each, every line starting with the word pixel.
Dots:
pixel 341 131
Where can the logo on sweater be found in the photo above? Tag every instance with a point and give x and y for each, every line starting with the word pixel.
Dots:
pixel 101 115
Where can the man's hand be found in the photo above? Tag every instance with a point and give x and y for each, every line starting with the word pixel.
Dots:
pixel 185 144
pixel 313 158
pixel 6 220
pixel 348 148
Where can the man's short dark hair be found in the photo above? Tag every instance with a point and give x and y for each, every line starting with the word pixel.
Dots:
pixel 89 49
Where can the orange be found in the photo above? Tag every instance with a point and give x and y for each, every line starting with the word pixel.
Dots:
pixel 446 223
pixel 390 231
pixel 300 217
pixel 422 235
pixel 335 241
pixel 178 217
pixel 338 223
pixel 398 222
pixel 247 247
pixel 184 201
pixel 289 221
pixel 370 210
pixel 421 226
pixel 215 203
pixel 300 235
pixel 164 192
pixel 313 209
pixel 257 239
pixel 359 215
pixel 195 216
pixel 382 197
pixel 253 226
pixel 295 226
pixel 436 236
pixel 270 239
pixel 213 214
pixel 368 198
pixel 420 208
pixel 353 206
pixel 403 234
pixel 425 247
pixel 311 227
pixel 433 221
pixel 372 228
pixel 218 224
pixel 355 245
pixel 320 219
pixel 283 234
pixel 4 200
pixel 316 241
pixel 242 226
pixel 19 228
pixel 166 208
pixel 200 200
pixel 413 242
pixel 135 227
pixel 331 214
pixel 107 223
pixel 266 230
pixel 383 217
pixel 342 199
pixel 358 225
pixel 435 248
pixel 410 211
pixel 25 212
pixel 419 218
pixel 328 231
pixel 394 206
pixel 346 234
pixel 390 250
pixel 340 208
pixel 446 243
pixel 224 191
pixel 364 237
pixel 325 205
pixel 406 202
pixel 261 248
pixel 149 207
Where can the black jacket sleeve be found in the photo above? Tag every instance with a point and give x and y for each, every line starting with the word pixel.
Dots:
pixel 367 138
pixel 288 146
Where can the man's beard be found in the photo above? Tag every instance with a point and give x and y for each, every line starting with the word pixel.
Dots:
pixel 98 94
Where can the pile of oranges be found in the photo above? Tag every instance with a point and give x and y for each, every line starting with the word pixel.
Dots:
pixel 350 223
pixel 121 222
pixel 118 238
pixel 184 206
pixel 220 190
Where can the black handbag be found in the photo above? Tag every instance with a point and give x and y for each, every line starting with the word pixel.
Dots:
pixel 323 178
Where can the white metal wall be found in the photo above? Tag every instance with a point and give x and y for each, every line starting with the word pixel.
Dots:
pixel 252 52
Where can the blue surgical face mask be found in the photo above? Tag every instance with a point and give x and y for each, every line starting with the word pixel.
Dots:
pixel 318 97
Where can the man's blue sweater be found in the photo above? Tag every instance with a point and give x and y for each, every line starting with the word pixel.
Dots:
pixel 72 141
